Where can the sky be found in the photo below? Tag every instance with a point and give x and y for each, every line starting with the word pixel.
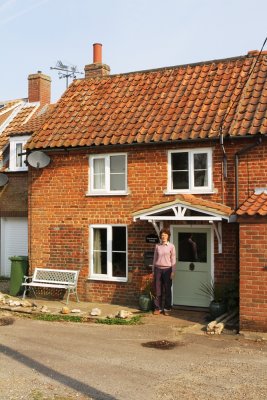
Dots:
pixel 135 34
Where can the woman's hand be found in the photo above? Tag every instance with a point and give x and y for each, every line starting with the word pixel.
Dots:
pixel 172 275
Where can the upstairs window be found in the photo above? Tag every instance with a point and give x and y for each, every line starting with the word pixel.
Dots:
pixel 108 174
pixel 17 155
pixel 108 248
pixel 190 171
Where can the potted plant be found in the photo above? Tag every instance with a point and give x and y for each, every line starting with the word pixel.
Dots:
pixel 146 297
pixel 217 294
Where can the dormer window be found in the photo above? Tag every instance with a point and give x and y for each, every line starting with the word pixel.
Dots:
pixel 17 157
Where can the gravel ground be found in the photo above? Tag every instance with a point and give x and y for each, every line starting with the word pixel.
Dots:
pixel 66 361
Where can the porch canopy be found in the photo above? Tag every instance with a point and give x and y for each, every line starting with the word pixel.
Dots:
pixel 187 208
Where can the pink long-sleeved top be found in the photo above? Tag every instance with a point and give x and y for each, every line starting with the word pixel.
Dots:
pixel 165 256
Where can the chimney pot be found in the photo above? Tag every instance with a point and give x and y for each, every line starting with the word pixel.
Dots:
pixel 97 58
pixel 97 68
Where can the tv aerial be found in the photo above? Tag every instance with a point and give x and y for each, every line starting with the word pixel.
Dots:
pixel 66 71
pixel 38 159
pixel 3 179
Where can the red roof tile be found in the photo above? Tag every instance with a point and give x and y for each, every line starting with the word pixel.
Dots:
pixel 29 118
pixel 254 205
pixel 183 102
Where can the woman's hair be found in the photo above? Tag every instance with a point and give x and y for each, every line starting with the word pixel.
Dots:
pixel 164 230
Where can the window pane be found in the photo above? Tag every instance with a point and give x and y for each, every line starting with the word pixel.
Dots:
pixel 180 173
pixel 180 180
pixel 100 239
pixel 99 173
pixel 119 238
pixel 100 263
pixel 119 251
pixel 119 264
pixel 117 164
pixel 192 247
pixel 100 251
pixel 201 178
pixel 200 169
pixel 179 161
pixel 117 173
pixel 18 156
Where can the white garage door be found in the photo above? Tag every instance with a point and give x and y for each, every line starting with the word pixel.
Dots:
pixel 14 241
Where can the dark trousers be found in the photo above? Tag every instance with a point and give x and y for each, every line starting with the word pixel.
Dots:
pixel 163 285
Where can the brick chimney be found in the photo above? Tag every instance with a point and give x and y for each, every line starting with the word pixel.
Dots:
pixel 39 88
pixel 97 69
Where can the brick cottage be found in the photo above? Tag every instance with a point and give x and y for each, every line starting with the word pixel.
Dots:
pixel 182 147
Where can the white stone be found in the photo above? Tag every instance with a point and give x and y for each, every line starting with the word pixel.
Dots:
pixel 95 312
pixel 76 310
pixel 124 314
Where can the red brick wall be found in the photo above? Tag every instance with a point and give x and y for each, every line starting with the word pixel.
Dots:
pixel 253 276
pixel 60 213
pixel 14 196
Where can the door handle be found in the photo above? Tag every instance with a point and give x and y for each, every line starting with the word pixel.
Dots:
pixel 191 266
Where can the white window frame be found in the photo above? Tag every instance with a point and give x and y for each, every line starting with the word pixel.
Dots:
pixel 106 190
pixel 14 141
pixel 108 276
pixel 192 189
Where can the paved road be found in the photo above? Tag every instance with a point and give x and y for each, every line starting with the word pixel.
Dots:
pixel 51 360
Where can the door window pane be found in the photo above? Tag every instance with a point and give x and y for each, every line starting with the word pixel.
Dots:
pixel 192 247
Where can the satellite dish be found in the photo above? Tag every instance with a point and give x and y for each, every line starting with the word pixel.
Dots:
pixel 3 179
pixel 38 159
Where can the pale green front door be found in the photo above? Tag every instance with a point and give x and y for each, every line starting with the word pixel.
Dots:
pixel 193 265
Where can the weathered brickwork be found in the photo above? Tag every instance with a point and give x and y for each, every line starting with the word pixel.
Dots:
pixel 61 212
pixel 253 275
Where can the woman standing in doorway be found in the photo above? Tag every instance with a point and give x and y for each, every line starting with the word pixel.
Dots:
pixel 164 268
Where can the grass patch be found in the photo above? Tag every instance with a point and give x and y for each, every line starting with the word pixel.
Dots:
pixel 120 321
pixel 65 318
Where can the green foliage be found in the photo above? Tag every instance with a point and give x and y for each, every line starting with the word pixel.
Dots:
pixel 232 295
pixel 227 293
pixel 120 321
pixel 53 317
pixel 214 291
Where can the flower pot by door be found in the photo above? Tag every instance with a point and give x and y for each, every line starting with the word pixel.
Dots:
pixel 145 302
pixel 217 308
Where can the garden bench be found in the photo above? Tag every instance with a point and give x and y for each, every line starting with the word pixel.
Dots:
pixel 52 278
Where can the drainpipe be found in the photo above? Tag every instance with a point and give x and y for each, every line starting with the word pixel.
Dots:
pixel 237 154
pixel 224 156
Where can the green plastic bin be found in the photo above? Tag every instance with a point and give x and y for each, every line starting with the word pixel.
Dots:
pixel 19 268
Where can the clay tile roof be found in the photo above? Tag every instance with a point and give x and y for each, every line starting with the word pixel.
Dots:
pixel 176 103
pixel 255 205
pixel 29 118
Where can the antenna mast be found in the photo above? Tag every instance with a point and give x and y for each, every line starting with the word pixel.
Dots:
pixel 66 71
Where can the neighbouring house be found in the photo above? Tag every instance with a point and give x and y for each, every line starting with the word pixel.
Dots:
pixel 18 119
pixel 182 147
